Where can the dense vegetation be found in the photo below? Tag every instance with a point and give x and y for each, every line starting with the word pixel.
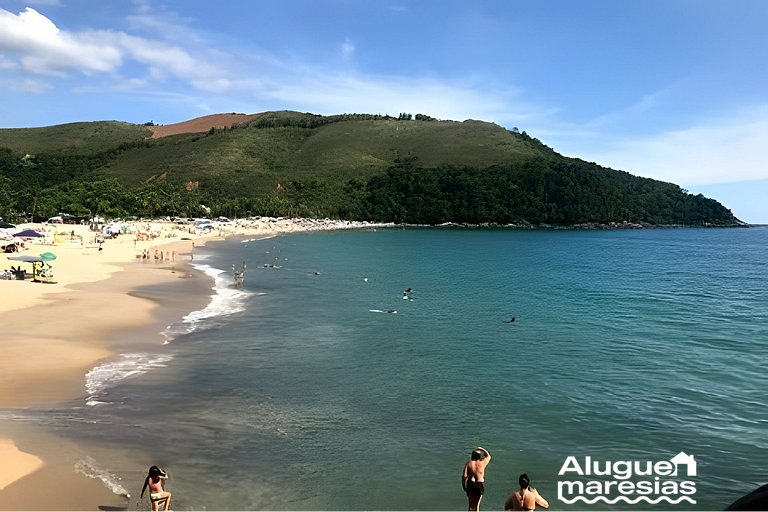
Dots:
pixel 351 166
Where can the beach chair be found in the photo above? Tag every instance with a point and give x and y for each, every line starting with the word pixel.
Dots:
pixel 44 272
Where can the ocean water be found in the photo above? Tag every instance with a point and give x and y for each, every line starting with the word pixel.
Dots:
pixel 319 387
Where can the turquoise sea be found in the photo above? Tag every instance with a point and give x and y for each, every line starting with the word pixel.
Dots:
pixel 318 387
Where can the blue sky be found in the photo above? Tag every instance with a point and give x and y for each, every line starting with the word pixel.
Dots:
pixel 675 90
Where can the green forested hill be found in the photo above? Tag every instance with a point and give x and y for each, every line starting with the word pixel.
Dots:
pixel 86 138
pixel 278 150
pixel 362 167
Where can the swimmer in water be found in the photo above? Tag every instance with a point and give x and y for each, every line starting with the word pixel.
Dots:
pixel 526 498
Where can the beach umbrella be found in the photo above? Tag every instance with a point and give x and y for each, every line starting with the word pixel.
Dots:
pixel 29 233
pixel 47 256
pixel 5 225
pixel 26 258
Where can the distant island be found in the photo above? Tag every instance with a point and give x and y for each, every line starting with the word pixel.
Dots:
pixel 359 167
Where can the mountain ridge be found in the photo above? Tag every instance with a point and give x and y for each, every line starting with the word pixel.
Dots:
pixel 353 166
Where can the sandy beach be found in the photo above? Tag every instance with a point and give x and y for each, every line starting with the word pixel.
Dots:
pixel 55 332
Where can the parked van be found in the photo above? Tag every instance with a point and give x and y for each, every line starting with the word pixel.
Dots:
pixel 110 230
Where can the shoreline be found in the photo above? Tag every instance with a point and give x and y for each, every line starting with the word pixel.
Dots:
pixel 95 309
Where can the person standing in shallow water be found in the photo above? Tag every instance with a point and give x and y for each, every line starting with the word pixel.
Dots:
pixel 473 478
pixel 157 494
pixel 526 498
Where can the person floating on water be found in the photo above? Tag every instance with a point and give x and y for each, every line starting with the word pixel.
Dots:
pixel 526 498
pixel 473 478
pixel 510 320
pixel 157 495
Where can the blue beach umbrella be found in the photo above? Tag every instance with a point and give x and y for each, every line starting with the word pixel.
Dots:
pixel 29 233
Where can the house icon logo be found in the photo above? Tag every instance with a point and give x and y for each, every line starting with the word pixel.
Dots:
pixel 683 459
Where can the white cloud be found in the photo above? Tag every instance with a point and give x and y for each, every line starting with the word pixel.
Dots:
pixel 347 50
pixel 728 149
pixel 130 62
pixel 330 91
pixel 42 48
pixel 26 86
pixel 164 25
pixel 163 59
pixel 640 108
pixel 52 3
pixel 7 63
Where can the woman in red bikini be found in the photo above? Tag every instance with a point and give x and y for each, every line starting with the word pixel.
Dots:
pixel 157 495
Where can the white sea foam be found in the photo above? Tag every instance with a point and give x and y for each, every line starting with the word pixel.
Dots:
pixel 109 374
pixel 267 237
pixel 91 469
pixel 225 301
